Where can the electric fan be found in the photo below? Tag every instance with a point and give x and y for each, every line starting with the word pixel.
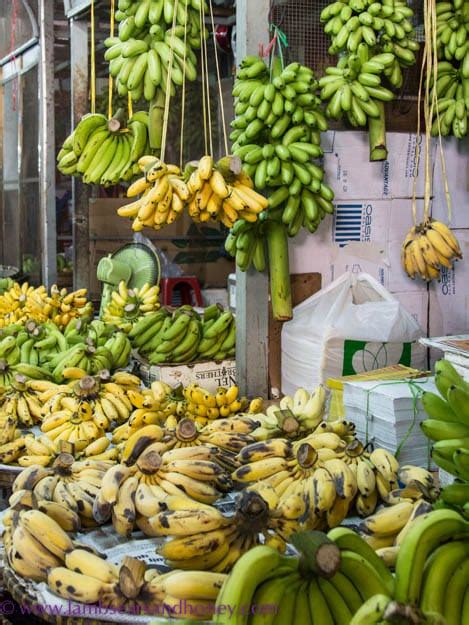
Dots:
pixel 136 263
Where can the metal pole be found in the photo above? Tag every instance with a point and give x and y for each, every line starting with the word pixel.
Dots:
pixel 47 143
pixel 252 288
pixel 80 193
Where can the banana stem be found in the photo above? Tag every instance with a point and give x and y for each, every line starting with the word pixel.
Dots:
pixel 156 115
pixel 319 554
pixel 280 288
pixel 377 135
pixel 117 121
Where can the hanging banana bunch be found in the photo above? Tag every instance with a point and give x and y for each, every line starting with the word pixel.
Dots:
pixel 154 39
pixel 163 195
pixel 431 245
pixel 104 151
pixel 451 113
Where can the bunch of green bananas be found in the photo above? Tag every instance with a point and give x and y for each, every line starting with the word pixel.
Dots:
pixel 218 340
pixel 152 38
pixel 101 155
pixel 448 427
pixel 5 284
pixel 184 335
pixel 386 25
pixel 452 92
pixel 246 243
pixel 354 86
pixel 277 134
pixel 452 34
pixel 328 582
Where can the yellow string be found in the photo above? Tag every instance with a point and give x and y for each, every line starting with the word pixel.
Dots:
pixel 93 62
pixel 183 95
pixel 168 83
pixel 220 92
pixel 130 107
pixel 435 102
pixel 111 80
pixel 428 108
pixel 204 108
pixel 418 141
pixel 207 85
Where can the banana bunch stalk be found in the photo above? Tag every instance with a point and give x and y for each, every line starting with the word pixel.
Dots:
pixel 128 305
pixel 382 25
pixel 450 116
pixel 427 248
pixel 21 303
pixel 448 424
pixel 328 582
pixel 84 409
pixel 204 406
pixel 64 491
pixel 102 151
pixel 129 490
pixel 223 193
pixel 154 39
pixel 163 195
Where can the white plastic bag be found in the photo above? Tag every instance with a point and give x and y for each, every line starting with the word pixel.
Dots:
pixel 351 326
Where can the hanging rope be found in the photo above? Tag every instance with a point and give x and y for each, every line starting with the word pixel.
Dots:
pixel 183 94
pixel 220 91
pixel 111 80
pixel 93 61
pixel 168 84
pixel 14 18
pixel 204 109
pixel 130 106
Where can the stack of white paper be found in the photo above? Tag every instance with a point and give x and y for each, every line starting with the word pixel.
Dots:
pixel 389 412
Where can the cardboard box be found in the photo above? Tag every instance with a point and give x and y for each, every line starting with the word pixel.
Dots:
pixel 449 298
pixel 349 170
pixel 215 296
pixel 197 249
pixel 456 153
pixel 210 374
pixel 363 236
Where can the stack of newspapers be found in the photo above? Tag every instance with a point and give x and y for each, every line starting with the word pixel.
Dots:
pixel 388 413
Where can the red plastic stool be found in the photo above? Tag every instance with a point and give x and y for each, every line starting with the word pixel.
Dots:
pixel 188 286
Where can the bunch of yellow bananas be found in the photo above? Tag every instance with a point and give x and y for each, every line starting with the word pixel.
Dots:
pixel 203 538
pixel 12 442
pixel 150 471
pixel 82 410
pixel 320 477
pixel 65 491
pixel 220 194
pixel 42 450
pixel 128 305
pixel 21 402
pixel 22 302
pixel 203 406
pixel 427 248
pixel 164 194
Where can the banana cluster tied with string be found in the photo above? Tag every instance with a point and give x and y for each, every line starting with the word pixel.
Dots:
pixel 430 245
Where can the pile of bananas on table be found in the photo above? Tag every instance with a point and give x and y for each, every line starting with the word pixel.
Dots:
pixel 43 351
pixel 153 36
pixel 427 248
pixel 452 86
pixel 277 134
pixel 376 41
pixel 209 191
pixel 183 335
pixel 128 306
pixel 103 153
pixel 21 302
